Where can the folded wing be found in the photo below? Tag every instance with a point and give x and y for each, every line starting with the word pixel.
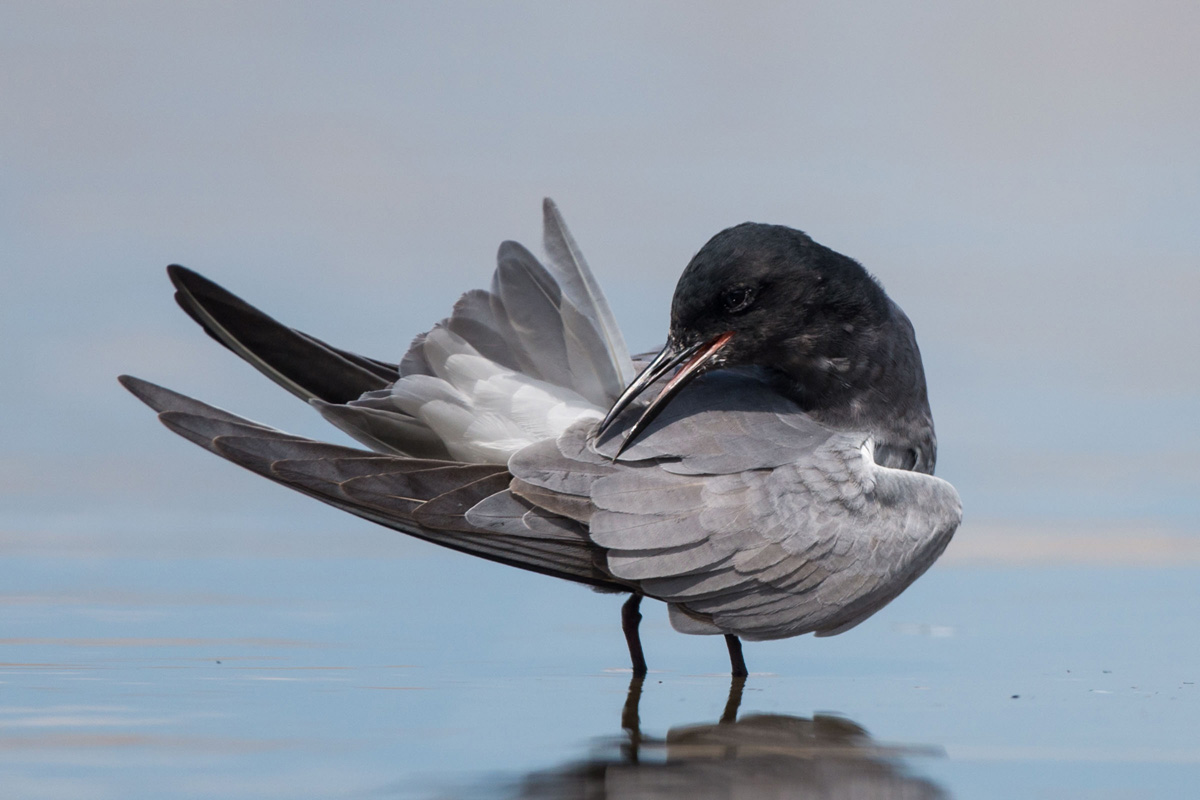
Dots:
pixel 745 515
pixel 428 499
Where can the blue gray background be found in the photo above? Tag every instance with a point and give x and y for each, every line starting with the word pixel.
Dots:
pixel 1023 178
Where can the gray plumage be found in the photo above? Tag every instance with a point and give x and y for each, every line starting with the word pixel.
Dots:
pixel 747 514
pixel 749 518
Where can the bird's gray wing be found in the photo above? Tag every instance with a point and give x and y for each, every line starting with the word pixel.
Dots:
pixel 383 429
pixel 612 363
pixel 746 516
pixel 465 507
pixel 300 363
pixel 334 381
pixel 550 324
pixel 514 364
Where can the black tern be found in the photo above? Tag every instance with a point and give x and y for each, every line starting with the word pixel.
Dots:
pixel 788 489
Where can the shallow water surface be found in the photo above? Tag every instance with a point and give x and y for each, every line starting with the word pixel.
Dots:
pixel 409 672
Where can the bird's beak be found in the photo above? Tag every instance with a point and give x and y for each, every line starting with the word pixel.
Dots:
pixel 693 357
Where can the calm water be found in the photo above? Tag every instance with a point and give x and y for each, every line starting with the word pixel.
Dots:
pixel 407 672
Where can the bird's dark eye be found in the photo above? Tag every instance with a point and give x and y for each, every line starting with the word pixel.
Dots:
pixel 737 298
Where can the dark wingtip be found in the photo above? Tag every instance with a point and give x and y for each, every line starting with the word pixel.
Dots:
pixel 165 402
pixel 181 275
pixel 189 281
pixel 189 286
pixel 135 386
pixel 149 393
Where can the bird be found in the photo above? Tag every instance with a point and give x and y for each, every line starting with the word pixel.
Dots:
pixel 779 482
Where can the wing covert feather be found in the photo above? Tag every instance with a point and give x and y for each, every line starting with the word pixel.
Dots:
pixel 770 526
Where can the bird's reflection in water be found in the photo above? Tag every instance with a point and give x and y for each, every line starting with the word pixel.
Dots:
pixel 756 756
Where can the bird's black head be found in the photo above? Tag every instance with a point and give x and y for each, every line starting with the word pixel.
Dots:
pixel 769 296
pixel 786 300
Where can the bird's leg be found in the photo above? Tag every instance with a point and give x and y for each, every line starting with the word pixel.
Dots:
pixel 736 684
pixel 735 656
pixel 631 617
pixel 630 720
